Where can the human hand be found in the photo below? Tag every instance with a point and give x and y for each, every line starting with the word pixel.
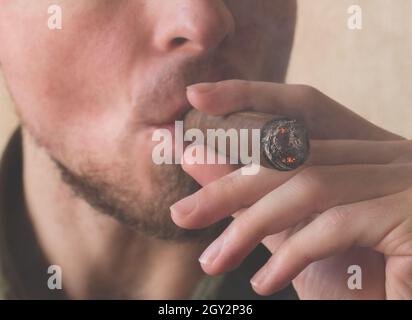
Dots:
pixel 349 205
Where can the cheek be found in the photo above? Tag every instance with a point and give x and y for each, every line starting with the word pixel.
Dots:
pixel 71 83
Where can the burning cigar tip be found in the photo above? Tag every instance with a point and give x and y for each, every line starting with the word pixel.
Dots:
pixel 284 142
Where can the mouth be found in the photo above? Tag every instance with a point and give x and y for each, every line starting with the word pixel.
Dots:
pixel 175 130
pixel 169 122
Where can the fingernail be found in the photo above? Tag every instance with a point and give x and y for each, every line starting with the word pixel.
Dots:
pixel 212 252
pixel 204 87
pixel 185 206
pixel 260 277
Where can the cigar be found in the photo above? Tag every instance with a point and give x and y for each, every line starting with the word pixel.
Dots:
pixel 284 142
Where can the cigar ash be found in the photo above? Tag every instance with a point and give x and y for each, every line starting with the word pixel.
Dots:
pixel 281 144
pixel 285 143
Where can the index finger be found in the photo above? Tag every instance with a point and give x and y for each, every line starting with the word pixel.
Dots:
pixel 324 117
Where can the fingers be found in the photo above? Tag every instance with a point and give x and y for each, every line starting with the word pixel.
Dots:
pixel 201 171
pixel 311 191
pixel 225 191
pixel 376 223
pixel 224 196
pixel 228 190
pixel 329 277
pixel 205 174
pixel 234 95
pixel 315 188
pixel 323 117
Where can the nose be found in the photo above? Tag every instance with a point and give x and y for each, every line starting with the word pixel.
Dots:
pixel 193 27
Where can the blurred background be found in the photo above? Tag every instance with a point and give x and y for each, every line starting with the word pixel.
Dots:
pixel 367 70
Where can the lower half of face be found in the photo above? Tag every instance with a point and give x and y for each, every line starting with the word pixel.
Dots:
pixel 93 92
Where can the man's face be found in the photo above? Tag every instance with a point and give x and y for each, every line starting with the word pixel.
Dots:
pixel 93 93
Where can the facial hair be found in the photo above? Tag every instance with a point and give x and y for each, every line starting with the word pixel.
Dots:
pixel 149 217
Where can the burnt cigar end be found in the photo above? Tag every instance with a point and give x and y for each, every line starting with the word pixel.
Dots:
pixel 285 143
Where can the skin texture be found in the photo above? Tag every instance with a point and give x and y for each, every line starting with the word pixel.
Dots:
pixel 89 97
pixel 92 93
pixel 348 205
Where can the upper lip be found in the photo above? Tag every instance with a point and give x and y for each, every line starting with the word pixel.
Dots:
pixel 177 114
pixel 176 111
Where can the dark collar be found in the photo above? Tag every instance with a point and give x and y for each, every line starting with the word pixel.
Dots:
pixel 236 284
pixel 23 265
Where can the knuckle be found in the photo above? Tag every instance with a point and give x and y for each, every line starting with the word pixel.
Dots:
pixel 232 180
pixel 246 227
pixel 236 230
pixel 401 269
pixel 306 91
pixel 241 86
pixel 284 252
pixel 205 195
pixel 293 248
pixel 337 217
pixel 229 185
pixel 311 184
pixel 309 96
pixel 246 91
pixel 241 83
pixel 224 188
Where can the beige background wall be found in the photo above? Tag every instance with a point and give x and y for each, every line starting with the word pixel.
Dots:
pixel 369 71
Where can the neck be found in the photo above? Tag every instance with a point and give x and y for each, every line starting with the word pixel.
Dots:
pixel 100 258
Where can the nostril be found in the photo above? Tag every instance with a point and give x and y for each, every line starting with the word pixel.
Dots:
pixel 177 42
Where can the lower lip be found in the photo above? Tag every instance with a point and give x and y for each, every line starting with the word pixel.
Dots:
pixel 170 127
pixel 176 134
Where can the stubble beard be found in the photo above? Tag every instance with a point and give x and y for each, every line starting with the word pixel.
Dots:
pixel 147 215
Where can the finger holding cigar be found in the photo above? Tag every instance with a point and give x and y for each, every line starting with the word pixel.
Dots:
pixel 223 104
pixel 284 143
pixel 356 173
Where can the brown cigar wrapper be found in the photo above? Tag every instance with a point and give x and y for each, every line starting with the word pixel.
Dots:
pixel 284 142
